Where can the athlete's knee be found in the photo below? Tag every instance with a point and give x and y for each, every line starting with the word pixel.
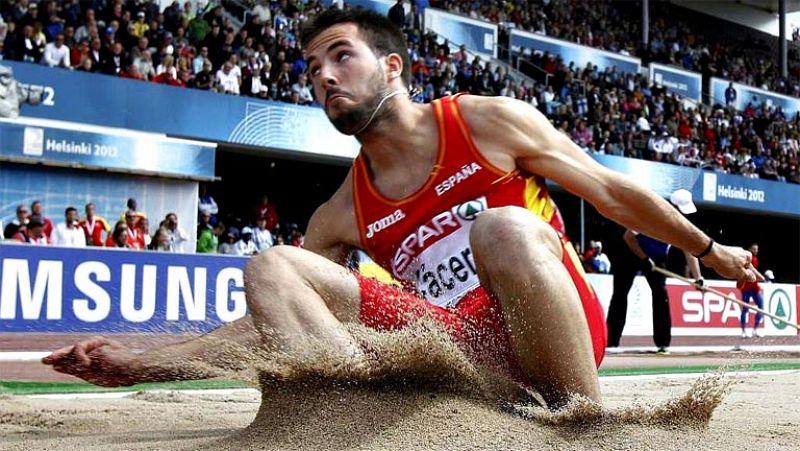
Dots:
pixel 265 273
pixel 504 230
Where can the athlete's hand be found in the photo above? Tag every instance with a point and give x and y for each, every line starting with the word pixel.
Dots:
pixel 731 262
pixel 98 360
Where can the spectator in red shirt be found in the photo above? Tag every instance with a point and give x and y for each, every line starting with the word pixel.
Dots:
pixel 94 226
pixel 135 238
pixel 267 210
pixel 38 210
pixel 33 232
pixel 119 238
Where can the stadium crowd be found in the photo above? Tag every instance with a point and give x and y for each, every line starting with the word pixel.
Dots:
pixel 132 230
pixel 603 111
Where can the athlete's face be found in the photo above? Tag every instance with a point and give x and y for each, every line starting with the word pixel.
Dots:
pixel 348 79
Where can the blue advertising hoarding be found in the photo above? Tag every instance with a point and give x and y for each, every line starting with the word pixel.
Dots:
pixel 138 153
pixel 575 53
pixel 748 94
pixel 682 82
pixel 476 35
pixel 49 289
pixel 710 188
pixel 116 102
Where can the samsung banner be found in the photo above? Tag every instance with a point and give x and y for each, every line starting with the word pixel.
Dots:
pixel 476 35
pixel 140 153
pixel 523 41
pixel 116 102
pixel 107 290
pixel 710 188
pixel 48 289
pixel 682 82
pixel 745 95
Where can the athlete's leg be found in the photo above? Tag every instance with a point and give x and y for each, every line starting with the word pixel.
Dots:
pixel 624 274
pixel 519 261
pixel 294 295
pixel 759 301
pixel 746 297
pixel 662 322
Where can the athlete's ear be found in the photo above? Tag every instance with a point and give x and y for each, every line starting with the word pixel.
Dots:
pixel 394 66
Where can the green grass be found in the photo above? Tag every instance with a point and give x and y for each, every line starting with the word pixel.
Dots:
pixel 37 388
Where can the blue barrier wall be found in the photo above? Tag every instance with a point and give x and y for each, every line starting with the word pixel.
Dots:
pixel 477 36
pixel 138 105
pixel 711 188
pixel 748 94
pixel 578 54
pixel 102 291
pixel 141 153
pixel 682 82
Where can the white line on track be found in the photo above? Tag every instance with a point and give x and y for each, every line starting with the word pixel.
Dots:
pixel 252 391
pixel 29 356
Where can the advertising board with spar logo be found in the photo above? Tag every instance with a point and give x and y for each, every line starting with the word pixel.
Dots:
pixel 698 313
pixel 695 313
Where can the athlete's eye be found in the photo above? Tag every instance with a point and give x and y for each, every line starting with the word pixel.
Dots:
pixel 314 72
pixel 342 56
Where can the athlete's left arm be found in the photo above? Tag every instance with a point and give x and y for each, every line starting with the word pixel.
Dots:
pixel 537 147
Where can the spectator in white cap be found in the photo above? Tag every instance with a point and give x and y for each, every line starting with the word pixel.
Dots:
pixel 245 245
pixel 646 254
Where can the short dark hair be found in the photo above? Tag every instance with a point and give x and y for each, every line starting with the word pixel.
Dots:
pixel 379 33
pixel 70 209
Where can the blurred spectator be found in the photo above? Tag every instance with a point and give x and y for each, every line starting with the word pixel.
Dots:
pixel 730 95
pixel 245 245
pixel 296 236
pixel 227 80
pixel 207 204
pixel 398 15
pixel 267 210
pixel 751 293
pixel 133 237
pixel 133 208
pixel 177 236
pixel 262 236
pixel 33 232
pixel 93 226
pixel 115 62
pixel 140 26
pixel 37 209
pixel 69 233
pixel 30 47
pixel 160 241
pixel 144 229
pixel 305 97
pixel 208 239
pixel 599 262
pixel 119 237
pixel 17 223
pixel 56 54
pixel 227 247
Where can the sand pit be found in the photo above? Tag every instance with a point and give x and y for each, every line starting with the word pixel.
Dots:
pixel 418 392
pixel 760 412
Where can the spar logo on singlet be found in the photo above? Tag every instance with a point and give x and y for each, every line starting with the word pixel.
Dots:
pixel 462 174
pixel 384 223
pixel 437 227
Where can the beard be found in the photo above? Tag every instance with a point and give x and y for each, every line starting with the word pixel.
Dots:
pixel 351 120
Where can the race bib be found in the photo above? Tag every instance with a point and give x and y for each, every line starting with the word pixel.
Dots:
pixel 445 271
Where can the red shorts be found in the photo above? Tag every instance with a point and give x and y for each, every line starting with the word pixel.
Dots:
pixel 476 322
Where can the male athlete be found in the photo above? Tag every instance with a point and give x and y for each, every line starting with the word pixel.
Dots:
pixel 448 197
